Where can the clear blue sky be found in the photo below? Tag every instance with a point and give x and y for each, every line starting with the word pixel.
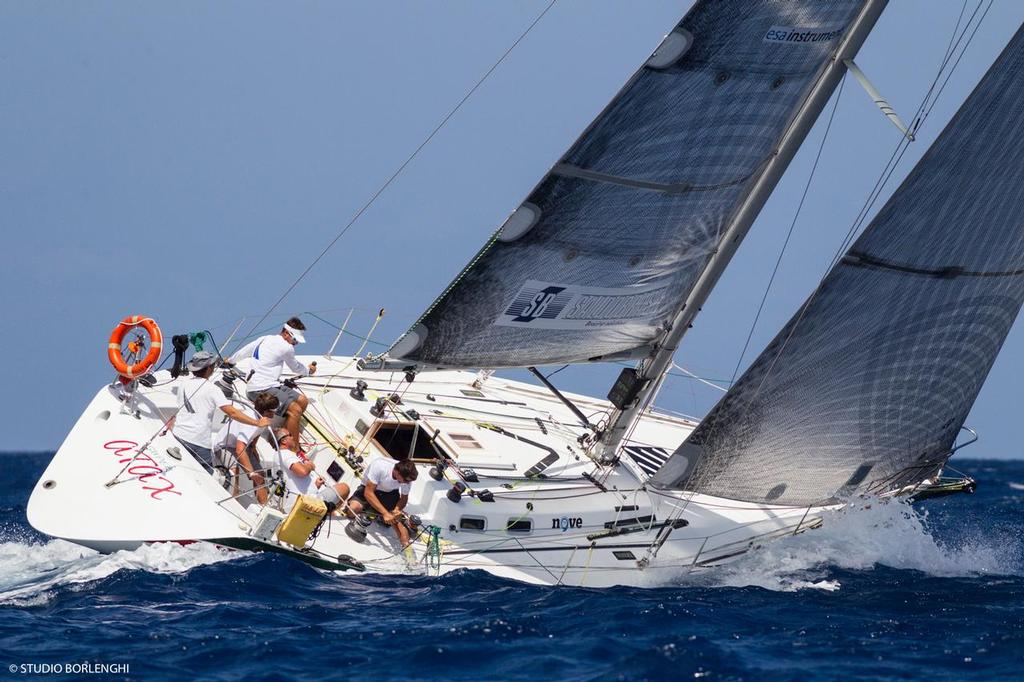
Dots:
pixel 187 161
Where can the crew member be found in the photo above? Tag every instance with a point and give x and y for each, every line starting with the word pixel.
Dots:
pixel 385 489
pixel 238 448
pixel 300 477
pixel 268 356
pixel 199 400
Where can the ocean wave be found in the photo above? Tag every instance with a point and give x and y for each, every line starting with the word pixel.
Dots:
pixel 860 537
pixel 863 536
pixel 30 571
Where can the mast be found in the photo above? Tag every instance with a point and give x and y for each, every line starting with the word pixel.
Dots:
pixel 644 380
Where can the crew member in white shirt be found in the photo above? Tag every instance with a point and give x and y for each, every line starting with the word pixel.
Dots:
pixel 300 477
pixel 237 448
pixel 385 488
pixel 268 355
pixel 199 400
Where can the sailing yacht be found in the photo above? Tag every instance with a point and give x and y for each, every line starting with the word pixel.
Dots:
pixel 609 259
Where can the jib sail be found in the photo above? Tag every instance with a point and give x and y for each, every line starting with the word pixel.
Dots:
pixel 866 388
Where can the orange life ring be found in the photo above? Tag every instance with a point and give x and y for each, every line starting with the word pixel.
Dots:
pixel 156 342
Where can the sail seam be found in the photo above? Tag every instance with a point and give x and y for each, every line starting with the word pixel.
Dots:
pixel 566 170
pixel 862 260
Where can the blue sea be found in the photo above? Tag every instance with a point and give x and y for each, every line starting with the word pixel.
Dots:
pixel 930 592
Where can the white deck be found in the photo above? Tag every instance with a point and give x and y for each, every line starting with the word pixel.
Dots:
pixel 587 525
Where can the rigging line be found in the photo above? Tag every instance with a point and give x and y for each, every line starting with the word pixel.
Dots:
pixel 679 376
pixel 556 371
pixel 954 42
pixel 919 117
pixel 402 167
pixel 312 313
pixel 691 375
pixel 345 331
pixel 883 179
pixel 789 234
pixel 952 49
pixel 957 62
pixel 325 415
pixel 539 563
pixel 352 359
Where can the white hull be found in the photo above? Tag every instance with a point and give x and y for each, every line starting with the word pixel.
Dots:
pixel 587 525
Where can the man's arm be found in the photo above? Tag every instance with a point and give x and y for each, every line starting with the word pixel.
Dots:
pixel 239 416
pixel 293 364
pixel 301 468
pixel 402 501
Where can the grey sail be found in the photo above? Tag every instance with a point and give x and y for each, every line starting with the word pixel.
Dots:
pixel 866 388
pixel 602 253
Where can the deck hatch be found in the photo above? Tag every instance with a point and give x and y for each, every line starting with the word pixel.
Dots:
pixel 473 523
pixel 519 526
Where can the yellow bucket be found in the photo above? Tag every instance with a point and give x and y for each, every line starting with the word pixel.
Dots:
pixel 301 520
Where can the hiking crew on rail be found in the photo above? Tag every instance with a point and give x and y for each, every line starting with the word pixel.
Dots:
pixel 267 356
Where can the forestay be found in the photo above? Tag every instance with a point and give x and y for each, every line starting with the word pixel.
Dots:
pixel 598 259
pixel 866 388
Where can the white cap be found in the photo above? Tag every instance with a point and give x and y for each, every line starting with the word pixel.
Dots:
pixel 296 333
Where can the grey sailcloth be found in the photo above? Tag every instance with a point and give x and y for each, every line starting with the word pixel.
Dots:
pixel 866 388
pixel 607 246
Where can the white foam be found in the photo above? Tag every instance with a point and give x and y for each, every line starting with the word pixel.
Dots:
pixel 861 537
pixel 29 572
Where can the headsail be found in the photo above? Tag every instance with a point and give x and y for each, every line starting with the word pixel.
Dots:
pixel 599 258
pixel 869 383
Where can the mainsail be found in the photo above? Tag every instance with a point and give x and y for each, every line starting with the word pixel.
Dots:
pixel 866 388
pixel 600 257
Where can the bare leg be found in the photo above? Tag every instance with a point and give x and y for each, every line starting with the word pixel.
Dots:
pixel 343 490
pixel 261 492
pixel 403 533
pixel 293 416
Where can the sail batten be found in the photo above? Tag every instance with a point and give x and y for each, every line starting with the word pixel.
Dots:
pixel 599 258
pixel 866 388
